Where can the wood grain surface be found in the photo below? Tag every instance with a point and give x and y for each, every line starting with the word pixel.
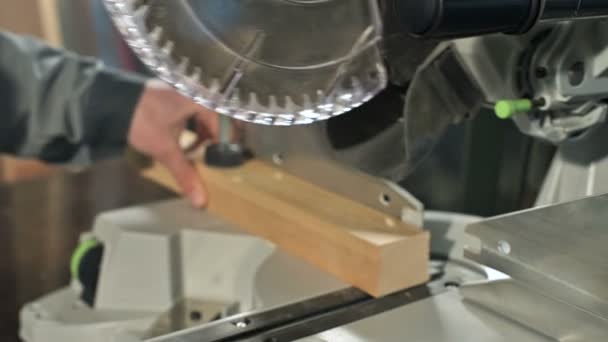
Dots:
pixel 355 243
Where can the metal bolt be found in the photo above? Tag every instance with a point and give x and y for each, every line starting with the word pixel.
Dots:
pixel 385 199
pixel 504 247
pixel 241 324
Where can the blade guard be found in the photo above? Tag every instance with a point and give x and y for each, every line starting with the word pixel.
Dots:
pixel 266 61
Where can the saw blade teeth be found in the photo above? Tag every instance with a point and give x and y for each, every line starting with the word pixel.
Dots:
pixel 184 65
pixel 235 99
pixel 141 11
pixel 253 100
pixel 156 34
pixel 272 102
pixel 355 84
pixel 320 95
pixel 306 101
pixel 289 103
pixel 136 3
pixel 215 85
pixel 173 49
pixel 168 48
pixel 196 75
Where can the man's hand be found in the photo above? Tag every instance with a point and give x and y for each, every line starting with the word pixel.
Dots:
pixel 160 117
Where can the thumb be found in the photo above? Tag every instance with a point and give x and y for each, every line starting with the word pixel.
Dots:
pixel 185 174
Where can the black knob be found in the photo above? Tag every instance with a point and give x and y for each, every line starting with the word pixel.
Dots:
pixel 225 155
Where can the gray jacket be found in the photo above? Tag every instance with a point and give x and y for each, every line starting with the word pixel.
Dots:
pixel 60 107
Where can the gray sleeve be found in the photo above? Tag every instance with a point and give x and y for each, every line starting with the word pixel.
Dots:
pixel 60 107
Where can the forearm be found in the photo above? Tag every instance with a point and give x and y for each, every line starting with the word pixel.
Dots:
pixel 60 107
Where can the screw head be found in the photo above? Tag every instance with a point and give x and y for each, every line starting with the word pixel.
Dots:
pixel 504 247
pixel 242 324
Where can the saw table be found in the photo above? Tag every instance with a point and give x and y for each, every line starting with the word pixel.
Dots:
pixel 40 222
pixel 255 292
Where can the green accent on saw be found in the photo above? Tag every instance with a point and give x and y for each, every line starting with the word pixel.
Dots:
pixel 505 109
pixel 79 253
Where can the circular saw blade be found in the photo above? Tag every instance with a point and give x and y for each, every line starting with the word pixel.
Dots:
pixel 273 62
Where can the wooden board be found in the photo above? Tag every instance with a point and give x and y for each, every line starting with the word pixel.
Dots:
pixel 355 243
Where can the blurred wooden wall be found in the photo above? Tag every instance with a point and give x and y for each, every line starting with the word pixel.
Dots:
pixel 39 18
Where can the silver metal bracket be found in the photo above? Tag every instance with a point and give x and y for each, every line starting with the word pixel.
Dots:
pixel 377 193
pixel 556 257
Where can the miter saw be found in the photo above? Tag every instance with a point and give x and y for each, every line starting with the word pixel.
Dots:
pixel 405 70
